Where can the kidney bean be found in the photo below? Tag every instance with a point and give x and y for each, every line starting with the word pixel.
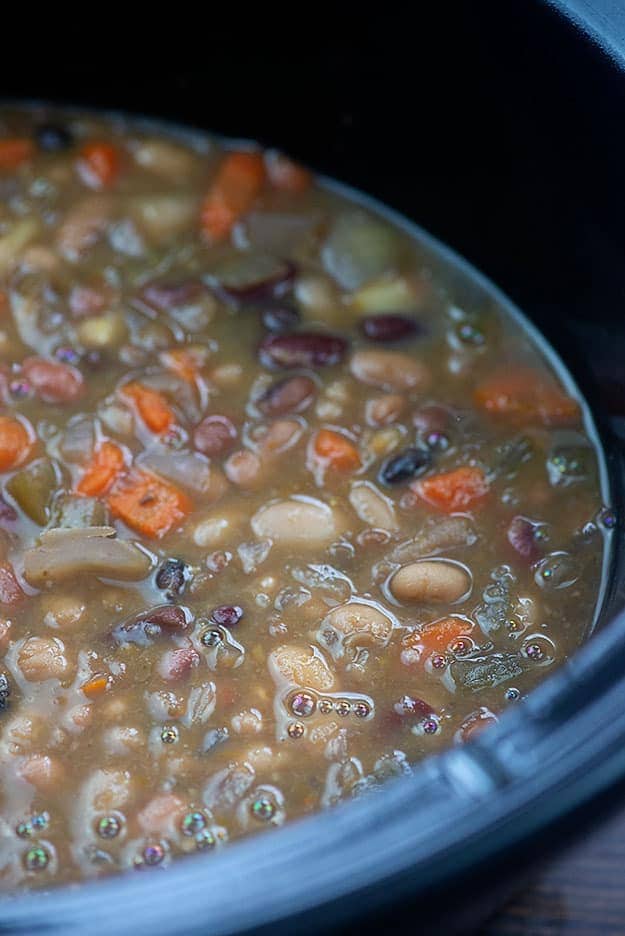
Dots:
pixel 523 536
pixel 302 349
pixel 145 627
pixel 52 381
pixel 165 296
pixel 431 418
pixel 214 436
pixel 176 665
pixel 291 395
pixel 388 327
pixel 227 615
pixel 412 705
pixel 253 278
pixel 411 463
pixel 279 318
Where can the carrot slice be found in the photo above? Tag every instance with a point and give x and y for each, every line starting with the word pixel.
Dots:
pixel 15 442
pixel 437 636
pixel 525 396
pixel 95 686
pixel 286 175
pixel 148 504
pixel 336 450
pixel 151 406
pixel 453 490
pixel 239 180
pixel 15 151
pixel 99 164
pixel 106 465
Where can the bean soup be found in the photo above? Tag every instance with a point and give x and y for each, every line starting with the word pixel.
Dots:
pixel 289 499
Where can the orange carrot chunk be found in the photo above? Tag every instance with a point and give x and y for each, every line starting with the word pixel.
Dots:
pixel 286 175
pixel 95 686
pixel 525 396
pixel 151 406
pixel 15 151
pixel 15 442
pixel 239 180
pixel 99 164
pixel 454 490
pixel 337 451
pixel 148 504
pixel 437 636
pixel 106 465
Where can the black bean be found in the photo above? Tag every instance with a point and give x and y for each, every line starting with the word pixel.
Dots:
pixel 172 576
pixel 53 138
pixel 410 463
pixel 5 692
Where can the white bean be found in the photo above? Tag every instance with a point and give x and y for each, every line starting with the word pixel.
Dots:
pixel 301 666
pixel 298 521
pixel 372 507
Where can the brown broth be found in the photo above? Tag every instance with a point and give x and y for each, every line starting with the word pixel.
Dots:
pixel 453 453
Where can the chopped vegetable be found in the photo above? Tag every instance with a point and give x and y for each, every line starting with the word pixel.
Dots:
pixel 99 164
pixel 14 152
pixel 336 450
pixel 151 406
pixel 106 465
pixel 437 636
pixel 524 396
pixel 96 686
pixel 148 504
pixel 33 487
pixel 454 490
pixel 16 441
pixel 239 180
pixel 65 554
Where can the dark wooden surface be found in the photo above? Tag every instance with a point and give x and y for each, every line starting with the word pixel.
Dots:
pixel 581 893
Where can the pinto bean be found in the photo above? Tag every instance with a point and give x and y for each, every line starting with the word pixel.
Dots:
pixel 383 410
pixel 356 622
pixel 64 612
pixel 244 469
pixel 389 370
pixel 431 581
pixel 287 396
pixel 53 381
pixel 281 435
pixel 214 436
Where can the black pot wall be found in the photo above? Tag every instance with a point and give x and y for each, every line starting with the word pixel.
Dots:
pixel 500 129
